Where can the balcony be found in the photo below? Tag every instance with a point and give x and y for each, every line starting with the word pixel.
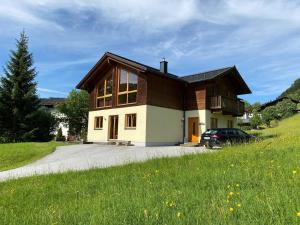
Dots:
pixel 227 106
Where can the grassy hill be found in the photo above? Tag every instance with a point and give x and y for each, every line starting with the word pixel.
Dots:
pixel 293 91
pixel 257 183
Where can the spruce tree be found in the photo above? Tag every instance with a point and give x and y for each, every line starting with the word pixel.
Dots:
pixel 18 98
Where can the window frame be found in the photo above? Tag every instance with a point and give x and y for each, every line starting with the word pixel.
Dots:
pixel 100 123
pixel 127 127
pixel 211 123
pixel 105 96
pixel 127 92
pixel 229 123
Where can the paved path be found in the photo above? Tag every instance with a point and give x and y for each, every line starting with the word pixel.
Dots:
pixel 82 157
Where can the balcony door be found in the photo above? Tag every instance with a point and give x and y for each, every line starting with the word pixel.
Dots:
pixel 193 129
pixel 113 127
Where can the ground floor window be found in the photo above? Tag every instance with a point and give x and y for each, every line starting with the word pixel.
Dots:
pixel 229 124
pixel 98 122
pixel 130 121
pixel 213 123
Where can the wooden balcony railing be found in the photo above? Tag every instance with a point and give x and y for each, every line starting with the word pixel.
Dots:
pixel 227 105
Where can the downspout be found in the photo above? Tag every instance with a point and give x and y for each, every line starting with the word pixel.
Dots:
pixel 184 107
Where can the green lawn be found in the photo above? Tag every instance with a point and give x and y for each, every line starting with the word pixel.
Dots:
pixel 19 154
pixel 254 184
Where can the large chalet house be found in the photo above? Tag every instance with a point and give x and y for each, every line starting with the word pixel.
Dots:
pixel 133 102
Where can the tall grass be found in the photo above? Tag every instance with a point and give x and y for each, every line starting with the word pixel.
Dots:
pixel 18 154
pixel 249 184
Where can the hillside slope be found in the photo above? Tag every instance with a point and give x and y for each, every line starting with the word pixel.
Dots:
pixel 293 91
pixel 256 183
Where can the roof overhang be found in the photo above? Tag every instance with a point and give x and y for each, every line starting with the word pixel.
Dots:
pixel 107 58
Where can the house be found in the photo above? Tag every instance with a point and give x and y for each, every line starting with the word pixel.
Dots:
pixel 130 101
pixel 50 104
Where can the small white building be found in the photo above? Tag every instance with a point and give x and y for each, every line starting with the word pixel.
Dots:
pixel 51 104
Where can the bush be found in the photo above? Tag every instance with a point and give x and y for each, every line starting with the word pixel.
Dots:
pixel 270 113
pixel 286 108
pixel 255 121
pixel 60 136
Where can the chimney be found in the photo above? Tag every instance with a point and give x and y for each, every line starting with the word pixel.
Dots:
pixel 164 66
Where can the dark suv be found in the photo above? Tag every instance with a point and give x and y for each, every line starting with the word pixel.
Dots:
pixel 222 136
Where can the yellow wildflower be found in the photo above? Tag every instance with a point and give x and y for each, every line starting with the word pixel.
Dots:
pixel 298 214
pixel 231 209
pixel 239 205
pixel 231 193
pixel 179 214
pixel 294 172
pixel 146 213
pixel 237 185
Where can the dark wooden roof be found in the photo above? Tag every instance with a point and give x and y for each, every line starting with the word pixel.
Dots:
pixel 117 58
pixel 199 77
pixel 208 75
pixel 274 102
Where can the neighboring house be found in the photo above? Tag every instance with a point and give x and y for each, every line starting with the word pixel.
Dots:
pixel 133 102
pixel 274 102
pixel 50 104
pixel 245 119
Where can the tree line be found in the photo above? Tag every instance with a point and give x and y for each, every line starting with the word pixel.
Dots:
pixel 21 116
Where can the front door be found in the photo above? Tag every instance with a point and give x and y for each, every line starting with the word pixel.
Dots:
pixel 193 128
pixel 113 127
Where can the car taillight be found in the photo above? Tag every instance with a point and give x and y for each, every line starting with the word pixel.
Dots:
pixel 215 136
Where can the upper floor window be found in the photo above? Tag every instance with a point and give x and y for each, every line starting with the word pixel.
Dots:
pixel 127 92
pixel 104 93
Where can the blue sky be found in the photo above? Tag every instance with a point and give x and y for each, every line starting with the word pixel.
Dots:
pixel 262 38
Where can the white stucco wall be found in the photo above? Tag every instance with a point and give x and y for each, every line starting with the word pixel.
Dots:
pixel 201 114
pixel 154 125
pixel 204 120
pixel 222 119
pixel 137 136
pixel 164 126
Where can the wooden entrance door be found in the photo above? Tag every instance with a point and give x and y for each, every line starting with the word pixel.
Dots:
pixel 193 128
pixel 113 127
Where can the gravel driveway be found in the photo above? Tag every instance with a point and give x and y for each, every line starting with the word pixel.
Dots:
pixel 82 157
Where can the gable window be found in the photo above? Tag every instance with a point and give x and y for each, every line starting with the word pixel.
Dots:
pixel 130 121
pixel 104 93
pixel 98 122
pixel 213 123
pixel 229 124
pixel 127 92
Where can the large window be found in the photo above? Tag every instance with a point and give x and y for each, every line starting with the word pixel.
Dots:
pixel 127 92
pixel 104 95
pixel 213 123
pixel 98 122
pixel 130 121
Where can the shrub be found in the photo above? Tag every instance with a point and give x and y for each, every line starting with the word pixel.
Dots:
pixel 270 113
pixel 286 108
pixel 255 121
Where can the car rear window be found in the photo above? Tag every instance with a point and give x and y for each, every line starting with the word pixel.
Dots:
pixel 211 132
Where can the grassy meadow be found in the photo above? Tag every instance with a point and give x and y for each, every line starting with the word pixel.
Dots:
pixel 255 184
pixel 19 154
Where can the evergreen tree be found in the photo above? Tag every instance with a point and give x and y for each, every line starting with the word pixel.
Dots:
pixel 18 99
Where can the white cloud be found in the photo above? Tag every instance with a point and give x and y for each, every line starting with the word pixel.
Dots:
pixel 50 91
